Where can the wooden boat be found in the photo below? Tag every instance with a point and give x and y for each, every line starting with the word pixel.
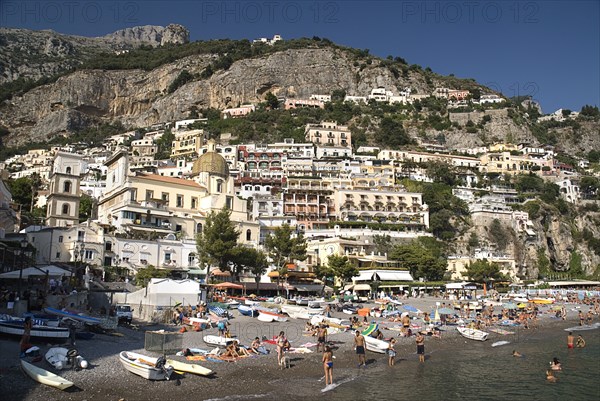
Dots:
pixel 45 377
pixel 473 334
pixel 218 340
pixel 61 358
pixel 189 368
pixel 375 345
pixel 16 326
pixel 247 310
pixel 73 315
pixel 268 317
pixel 144 366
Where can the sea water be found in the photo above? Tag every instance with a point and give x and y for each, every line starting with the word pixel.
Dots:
pixel 472 370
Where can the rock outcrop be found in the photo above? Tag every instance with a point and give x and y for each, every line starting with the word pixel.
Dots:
pixel 151 35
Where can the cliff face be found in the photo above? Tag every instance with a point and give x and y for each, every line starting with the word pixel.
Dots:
pixel 37 54
pixel 139 98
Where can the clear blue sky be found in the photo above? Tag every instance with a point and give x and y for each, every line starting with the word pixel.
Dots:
pixel 548 49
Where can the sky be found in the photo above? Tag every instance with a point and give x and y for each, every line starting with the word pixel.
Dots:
pixel 547 49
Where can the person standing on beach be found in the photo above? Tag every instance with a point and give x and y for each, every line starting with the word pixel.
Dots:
pixel 24 343
pixel 570 340
pixel 328 365
pixel 321 337
pixel 392 352
pixel 281 341
pixel 581 318
pixel 359 342
pixel 420 340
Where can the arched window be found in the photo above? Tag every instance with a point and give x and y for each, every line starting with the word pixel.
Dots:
pixel 67 187
pixel 68 170
pixel 65 209
pixel 219 186
pixel 248 235
pixel 198 228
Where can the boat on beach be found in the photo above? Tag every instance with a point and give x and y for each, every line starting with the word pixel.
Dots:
pixel 300 312
pixel 247 310
pixel 16 326
pixel 61 358
pixel 375 345
pixel 218 341
pixel 189 368
pixel 542 301
pixel 145 366
pixel 473 334
pixel 45 377
pixel 73 315
pixel 268 317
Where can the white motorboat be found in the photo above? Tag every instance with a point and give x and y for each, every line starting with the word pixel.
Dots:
pixel 61 358
pixel 473 334
pixel 268 317
pixel 375 345
pixel 145 366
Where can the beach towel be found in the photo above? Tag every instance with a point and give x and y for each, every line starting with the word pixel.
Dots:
pixel 308 345
pixel 210 359
pixel 299 350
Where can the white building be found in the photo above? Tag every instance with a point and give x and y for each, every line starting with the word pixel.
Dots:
pixel 63 200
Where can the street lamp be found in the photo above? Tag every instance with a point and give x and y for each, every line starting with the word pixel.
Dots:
pixel 78 255
pixel 21 251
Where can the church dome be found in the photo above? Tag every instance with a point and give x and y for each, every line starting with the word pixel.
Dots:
pixel 211 162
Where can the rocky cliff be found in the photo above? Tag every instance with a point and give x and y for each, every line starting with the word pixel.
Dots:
pixel 37 54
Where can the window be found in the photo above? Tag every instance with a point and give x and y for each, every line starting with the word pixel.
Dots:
pixel 80 235
pixel 68 170
pixel 60 238
pixel 57 255
pixel 198 228
pixel 248 235
pixel 67 187
pixel 194 201
pixel 89 254
pixel 219 186
pixel 149 194
pixel 108 246
pixel 179 200
pixel 191 259
pixel 165 196
pixel 229 202
pixel 167 257
pixel 65 209
pixel 178 228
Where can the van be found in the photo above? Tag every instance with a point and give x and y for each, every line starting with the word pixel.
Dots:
pixel 124 313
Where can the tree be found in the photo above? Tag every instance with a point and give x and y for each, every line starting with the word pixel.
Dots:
pixel 383 243
pixel 285 248
pixel 86 204
pixel 338 95
pixel 420 261
pixel 482 271
pixel 164 144
pixel 144 275
pixel 473 241
pixel 272 101
pixel 217 242
pixel 23 191
pixel 324 273
pixel 342 268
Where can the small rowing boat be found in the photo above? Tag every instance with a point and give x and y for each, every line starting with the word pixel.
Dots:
pixel 218 340
pixel 16 326
pixel 45 377
pixel 247 310
pixel 375 345
pixel 473 334
pixel 145 366
pixel 73 315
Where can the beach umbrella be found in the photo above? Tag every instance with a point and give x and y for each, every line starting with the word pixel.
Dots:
pixel 445 311
pixel 510 305
pixel 410 308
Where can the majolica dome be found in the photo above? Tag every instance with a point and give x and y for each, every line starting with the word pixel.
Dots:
pixel 211 162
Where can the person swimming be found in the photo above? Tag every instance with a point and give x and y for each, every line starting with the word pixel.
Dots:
pixel 550 376
pixel 516 354
pixel 555 364
pixel 580 343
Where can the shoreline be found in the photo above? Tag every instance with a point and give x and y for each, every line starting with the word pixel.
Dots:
pixel 254 377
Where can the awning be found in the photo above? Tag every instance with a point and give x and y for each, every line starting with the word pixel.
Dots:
pixel 348 287
pixel 362 287
pixel 229 285
pixel 52 271
pixel 196 272
pixel 397 275
pixel 220 272
pixel 309 287
pixel 364 276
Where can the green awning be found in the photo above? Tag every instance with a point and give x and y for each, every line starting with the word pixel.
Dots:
pixel 196 272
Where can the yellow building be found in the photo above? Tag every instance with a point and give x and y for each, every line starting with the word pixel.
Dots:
pixel 187 143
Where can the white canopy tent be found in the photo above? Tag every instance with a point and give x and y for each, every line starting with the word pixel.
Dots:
pixel 397 275
pixel 51 271
pixel 165 292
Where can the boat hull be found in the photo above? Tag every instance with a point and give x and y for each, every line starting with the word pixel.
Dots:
pixel 247 310
pixel 473 334
pixel 375 345
pixel 82 318
pixel 45 377
pixel 268 317
pixel 135 363
pixel 189 368
pixel 16 328
pixel 219 341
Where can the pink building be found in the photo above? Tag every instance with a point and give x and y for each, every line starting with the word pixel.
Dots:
pixel 237 112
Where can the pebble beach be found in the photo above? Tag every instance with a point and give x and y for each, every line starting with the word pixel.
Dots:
pixel 256 377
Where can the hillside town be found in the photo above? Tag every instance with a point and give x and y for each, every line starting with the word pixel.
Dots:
pixel 144 212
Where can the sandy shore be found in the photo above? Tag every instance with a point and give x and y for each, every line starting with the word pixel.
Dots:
pixel 255 377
